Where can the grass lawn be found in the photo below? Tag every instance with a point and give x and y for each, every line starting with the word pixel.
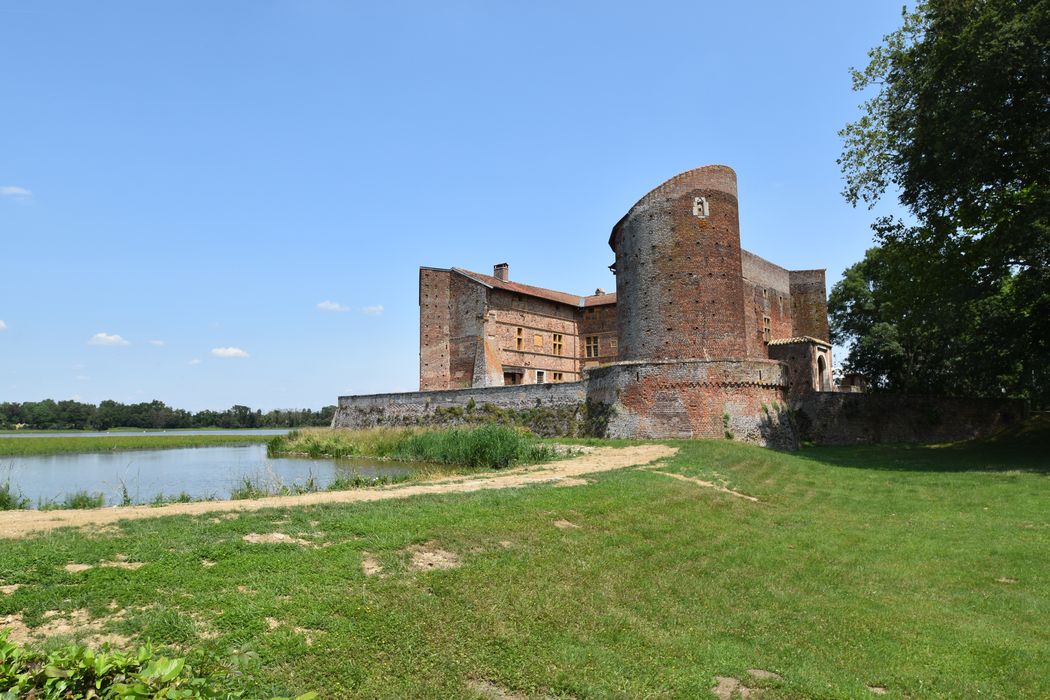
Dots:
pixel 58 445
pixel 921 570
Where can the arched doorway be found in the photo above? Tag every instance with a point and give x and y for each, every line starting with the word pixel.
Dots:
pixel 822 373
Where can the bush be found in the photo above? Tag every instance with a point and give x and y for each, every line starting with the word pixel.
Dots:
pixel 79 500
pixel 74 671
pixel 9 500
pixel 494 446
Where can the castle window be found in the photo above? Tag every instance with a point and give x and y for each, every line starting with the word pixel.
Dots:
pixel 541 376
pixel 520 339
pixel 767 329
pixel 557 377
pixel 537 340
pixel 591 346
pixel 612 344
pixel 557 345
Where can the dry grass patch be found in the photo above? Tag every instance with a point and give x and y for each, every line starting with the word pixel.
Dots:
pixel 275 538
pixel 428 557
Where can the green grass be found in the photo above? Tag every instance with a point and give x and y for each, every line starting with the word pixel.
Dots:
pixel 78 500
pixel 10 498
pixel 60 445
pixel 921 569
pixel 491 446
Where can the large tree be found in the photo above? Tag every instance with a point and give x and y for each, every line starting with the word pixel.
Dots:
pixel 958 128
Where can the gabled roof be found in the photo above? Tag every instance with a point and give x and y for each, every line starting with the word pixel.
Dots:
pixel 538 292
pixel 799 339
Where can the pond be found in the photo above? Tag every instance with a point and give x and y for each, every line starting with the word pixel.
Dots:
pixel 201 472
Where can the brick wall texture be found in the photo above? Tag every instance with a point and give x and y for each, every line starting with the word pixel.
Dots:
pixel 681 350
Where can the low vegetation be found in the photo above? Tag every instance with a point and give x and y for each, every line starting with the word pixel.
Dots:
pixel 29 446
pixel 73 671
pixel 918 570
pixel 488 446
pixel 11 498
pixel 78 500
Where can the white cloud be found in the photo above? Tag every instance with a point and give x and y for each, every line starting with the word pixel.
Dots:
pixel 16 192
pixel 106 339
pixel 228 352
pixel 332 306
pixel 3 326
pixel 158 343
pixel 195 361
pixel 373 310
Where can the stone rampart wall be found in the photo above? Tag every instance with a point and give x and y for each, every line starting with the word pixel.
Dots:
pixel 738 399
pixel 839 418
pixel 546 409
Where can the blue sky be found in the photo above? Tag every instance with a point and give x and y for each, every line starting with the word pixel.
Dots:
pixel 182 184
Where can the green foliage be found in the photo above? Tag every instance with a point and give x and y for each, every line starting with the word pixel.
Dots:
pixel 959 127
pixel 78 500
pixel 78 672
pixel 932 557
pixel 491 446
pixel 154 415
pixel 11 500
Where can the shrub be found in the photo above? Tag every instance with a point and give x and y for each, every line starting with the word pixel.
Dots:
pixel 10 500
pixel 74 671
pixel 78 500
pixel 492 445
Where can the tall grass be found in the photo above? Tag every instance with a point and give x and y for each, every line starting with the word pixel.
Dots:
pixel 10 499
pixel 491 446
pixel 78 500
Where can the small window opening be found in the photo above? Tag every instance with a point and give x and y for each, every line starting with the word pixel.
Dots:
pixel 767 329
pixel 557 344
pixel 557 377
pixel 541 376
pixel 591 346
pixel 520 338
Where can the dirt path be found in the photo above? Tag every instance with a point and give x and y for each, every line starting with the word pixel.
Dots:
pixel 16 524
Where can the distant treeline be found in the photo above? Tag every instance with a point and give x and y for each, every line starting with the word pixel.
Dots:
pixel 155 415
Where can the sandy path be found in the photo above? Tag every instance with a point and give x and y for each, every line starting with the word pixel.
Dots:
pixel 16 524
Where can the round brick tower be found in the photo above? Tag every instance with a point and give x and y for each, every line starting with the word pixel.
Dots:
pixel 683 368
pixel 679 292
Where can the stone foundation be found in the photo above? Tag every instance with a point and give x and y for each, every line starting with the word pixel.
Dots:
pixel 545 409
pixel 742 400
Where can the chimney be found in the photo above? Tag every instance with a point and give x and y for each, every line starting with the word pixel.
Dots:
pixel 501 271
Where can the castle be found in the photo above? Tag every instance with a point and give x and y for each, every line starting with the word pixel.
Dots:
pixel 700 339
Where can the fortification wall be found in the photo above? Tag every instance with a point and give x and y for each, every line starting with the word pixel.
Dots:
pixel 679 292
pixel 739 399
pixel 840 418
pixel 434 327
pixel 809 304
pixel 767 294
pixel 546 409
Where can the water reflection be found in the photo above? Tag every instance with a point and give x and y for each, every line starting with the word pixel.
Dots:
pixel 201 472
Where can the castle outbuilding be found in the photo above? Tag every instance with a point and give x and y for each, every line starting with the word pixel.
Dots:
pixel 700 339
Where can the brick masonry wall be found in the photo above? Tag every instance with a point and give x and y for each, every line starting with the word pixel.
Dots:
pixel 554 406
pixel 839 418
pixel 434 304
pixel 745 399
pixel 466 328
pixel 599 321
pixel 536 317
pixel 678 277
pixel 767 292
pixel 809 303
